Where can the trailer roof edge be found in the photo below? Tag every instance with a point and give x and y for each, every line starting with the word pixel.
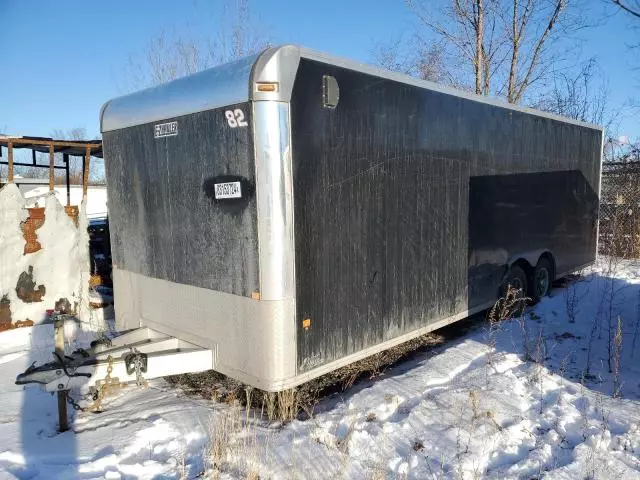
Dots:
pixel 280 64
pixel 220 86
pixel 237 82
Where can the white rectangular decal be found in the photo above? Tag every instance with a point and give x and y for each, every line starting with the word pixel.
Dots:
pixel 165 130
pixel 228 190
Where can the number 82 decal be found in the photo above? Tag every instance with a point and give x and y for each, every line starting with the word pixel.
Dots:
pixel 235 118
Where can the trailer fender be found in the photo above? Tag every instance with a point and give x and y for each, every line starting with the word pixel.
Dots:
pixel 531 258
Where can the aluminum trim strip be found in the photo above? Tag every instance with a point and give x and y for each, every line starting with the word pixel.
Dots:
pixel 274 192
pixel 599 197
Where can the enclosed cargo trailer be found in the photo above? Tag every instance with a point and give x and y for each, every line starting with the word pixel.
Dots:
pixel 292 212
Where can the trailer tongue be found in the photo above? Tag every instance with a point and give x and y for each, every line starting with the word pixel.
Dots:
pixel 135 356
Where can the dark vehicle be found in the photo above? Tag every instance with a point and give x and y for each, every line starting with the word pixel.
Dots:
pixel 294 212
pixel 100 248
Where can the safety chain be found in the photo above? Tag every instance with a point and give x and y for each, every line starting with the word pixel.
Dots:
pixel 137 364
pixel 108 384
pixel 74 404
pixel 104 387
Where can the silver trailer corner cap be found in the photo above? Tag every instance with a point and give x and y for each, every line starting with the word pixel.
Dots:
pixel 276 70
pixel 220 86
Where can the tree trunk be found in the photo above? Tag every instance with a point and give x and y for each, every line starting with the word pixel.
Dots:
pixel 486 73
pixel 479 63
pixel 515 51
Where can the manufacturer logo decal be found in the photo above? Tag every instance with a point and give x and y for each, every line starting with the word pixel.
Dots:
pixel 165 130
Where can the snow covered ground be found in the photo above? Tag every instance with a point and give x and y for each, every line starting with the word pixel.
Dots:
pixel 474 407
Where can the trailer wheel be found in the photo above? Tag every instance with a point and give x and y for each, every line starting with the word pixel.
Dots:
pixel 516 279
pixel 542 277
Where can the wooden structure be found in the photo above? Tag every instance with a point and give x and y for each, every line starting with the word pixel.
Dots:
pixel 74 148
pixel 79 148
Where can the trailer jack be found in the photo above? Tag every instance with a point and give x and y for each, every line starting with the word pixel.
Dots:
pixel 127 358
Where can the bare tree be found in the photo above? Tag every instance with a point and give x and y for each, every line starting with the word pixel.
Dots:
pixel 423 61
pixel 430 63
pixel 507 43
pixel 391 57
pixel 167 57
pixel 582 96
pixel 632 7
pixel 621 149
pixel 538 21
pixel 630 152
pixel 470 33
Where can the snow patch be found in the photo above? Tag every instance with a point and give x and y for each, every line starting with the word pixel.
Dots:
pixel 62 265
pixel 474 407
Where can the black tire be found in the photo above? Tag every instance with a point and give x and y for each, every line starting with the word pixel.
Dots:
pixel 516 278
pixel 541 281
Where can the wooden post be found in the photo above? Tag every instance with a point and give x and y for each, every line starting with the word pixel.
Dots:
pixel 51 169
pixel 10 162
pixel 63 421
pixel 65 156
pixel 85 172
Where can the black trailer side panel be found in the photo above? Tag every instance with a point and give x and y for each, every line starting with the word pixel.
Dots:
pixel 165 222
pixel 409 202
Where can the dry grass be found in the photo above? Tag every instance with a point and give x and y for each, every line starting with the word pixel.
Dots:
pixel 236 447
pixel 511 305
pixel 222 430
pixel 289 404
pixel 617 350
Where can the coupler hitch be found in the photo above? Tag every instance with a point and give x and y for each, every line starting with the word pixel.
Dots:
pixel 135 356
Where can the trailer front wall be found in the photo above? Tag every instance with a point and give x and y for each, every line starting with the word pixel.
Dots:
pixel 387 238
pixel 164 221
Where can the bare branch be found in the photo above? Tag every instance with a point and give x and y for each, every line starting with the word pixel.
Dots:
pixel 471 32
pixel 580 96
pixel 169 56
pixel 502 47
pixel 560 6
pixel 425 61
pixel 635 13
